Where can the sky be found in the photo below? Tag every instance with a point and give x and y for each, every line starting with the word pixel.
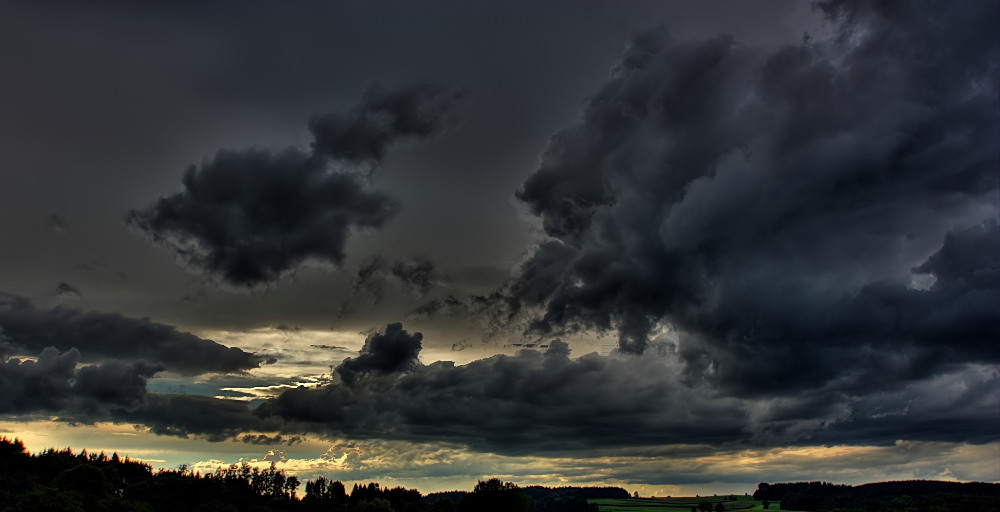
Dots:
pixel 681 247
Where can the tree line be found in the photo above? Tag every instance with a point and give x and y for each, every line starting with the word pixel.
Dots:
pixel 64 481
pixel 899 496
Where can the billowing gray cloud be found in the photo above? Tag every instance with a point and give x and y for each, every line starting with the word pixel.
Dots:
pixel 773 206
pixel 547 402
pixel 391 351
pixel 959 405
pixel 525 402
pixel 43 384
pixel 385 115
pixel 112 385
pixel 101 336
pixel 250 216
pixel 53 383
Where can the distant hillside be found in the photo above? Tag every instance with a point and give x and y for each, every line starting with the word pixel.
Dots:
pixel 915 495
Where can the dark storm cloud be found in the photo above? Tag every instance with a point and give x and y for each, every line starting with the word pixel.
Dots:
pixel 215 419
pixel 959 406
pixel 880 337
pixel 114 385
pixel 100 336
pixel 535 402
pixel 531 401
pixel 966 259
pixel 414 276
pixel 52 383
pixel 774 205
pixel 251 216
pixel 384 116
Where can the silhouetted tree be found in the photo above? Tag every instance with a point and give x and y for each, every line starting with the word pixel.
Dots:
pixel 495 496
pixel 363 493
pixel 323 495
pixel 405 500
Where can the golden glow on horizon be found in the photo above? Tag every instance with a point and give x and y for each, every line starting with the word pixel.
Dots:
pixel 432 467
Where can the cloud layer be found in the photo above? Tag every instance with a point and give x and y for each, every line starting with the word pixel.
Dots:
pixel 530 403
pixel 547 402
pixel 96 337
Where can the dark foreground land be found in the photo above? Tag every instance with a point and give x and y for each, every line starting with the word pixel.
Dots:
pixel 63 481
pixel 906 496
pixel 682 504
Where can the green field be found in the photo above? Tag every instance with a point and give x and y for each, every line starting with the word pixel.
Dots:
pixel 680 504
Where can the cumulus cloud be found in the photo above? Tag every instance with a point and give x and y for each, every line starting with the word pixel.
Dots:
pixel 100 336
pixel 773 205
pixel 391 351
pixel 250 216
